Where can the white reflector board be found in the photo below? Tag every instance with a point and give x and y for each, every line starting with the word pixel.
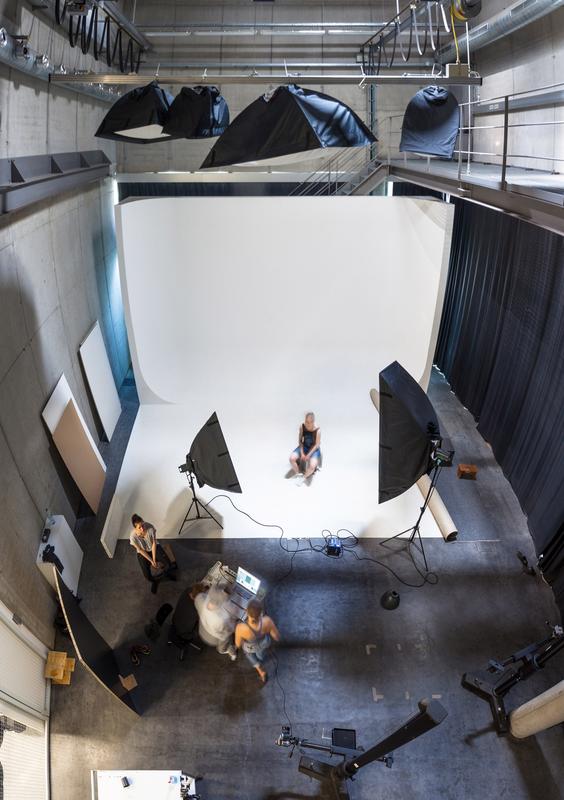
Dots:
pixel 70 431
pixel 100 379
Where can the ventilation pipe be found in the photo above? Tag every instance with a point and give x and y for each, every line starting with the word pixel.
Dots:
pixel 503 24
pixel 15 53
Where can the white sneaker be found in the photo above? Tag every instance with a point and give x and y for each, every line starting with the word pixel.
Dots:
pixel 232 652
pixel 299 479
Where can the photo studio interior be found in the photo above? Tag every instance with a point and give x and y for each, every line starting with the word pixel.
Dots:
pixel 281 399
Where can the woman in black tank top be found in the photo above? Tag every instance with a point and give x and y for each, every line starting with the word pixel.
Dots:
pixel 305 458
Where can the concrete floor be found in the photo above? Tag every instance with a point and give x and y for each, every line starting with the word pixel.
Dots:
pixel 211 717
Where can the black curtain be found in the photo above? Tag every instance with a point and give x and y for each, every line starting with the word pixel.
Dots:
pixel 501 347
pixel 166 189
pixel 406 189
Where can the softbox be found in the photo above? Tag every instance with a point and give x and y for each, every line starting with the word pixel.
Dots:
pixel 408 426
pixel 288 120
pixel 197 113
pixel 138 116
pixel 430 124
pixel 210 460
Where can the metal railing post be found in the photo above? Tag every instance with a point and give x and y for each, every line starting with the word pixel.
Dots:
pixel 505 136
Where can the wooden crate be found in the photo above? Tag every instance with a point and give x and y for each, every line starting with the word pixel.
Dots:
pixel 64 670
pixel 467 471
pixel 55 665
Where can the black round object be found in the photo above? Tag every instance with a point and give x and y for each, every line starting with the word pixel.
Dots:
pixel 390 600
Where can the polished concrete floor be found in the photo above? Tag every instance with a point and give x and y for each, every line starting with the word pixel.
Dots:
pixel 343 660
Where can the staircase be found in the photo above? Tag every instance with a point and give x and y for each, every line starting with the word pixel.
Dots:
pixel 355 171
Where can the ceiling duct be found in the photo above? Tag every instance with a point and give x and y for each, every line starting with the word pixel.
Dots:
pixel 503 24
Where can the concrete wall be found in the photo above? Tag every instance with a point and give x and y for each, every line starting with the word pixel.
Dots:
pixel 58 274
pixel 528 59
pixel 36 117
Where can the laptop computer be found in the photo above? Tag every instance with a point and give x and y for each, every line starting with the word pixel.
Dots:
pixel 246 587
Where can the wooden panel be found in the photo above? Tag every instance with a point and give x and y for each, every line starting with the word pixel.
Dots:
pixel 80 455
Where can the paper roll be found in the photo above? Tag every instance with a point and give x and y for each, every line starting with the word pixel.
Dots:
pixel 437 508
pixel 540 713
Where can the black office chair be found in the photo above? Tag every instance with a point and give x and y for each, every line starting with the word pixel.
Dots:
pixel 182 642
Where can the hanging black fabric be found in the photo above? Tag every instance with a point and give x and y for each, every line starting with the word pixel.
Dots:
pixel 197 113
pixel 138 116
pixel 430 124
pixel 501 346
pixel 290 120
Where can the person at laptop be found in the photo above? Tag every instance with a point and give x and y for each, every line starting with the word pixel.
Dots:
pixel 254 636
pixel 305 458
pixel 216 624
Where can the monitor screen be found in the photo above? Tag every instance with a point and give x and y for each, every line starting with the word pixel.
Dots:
pixel 247 580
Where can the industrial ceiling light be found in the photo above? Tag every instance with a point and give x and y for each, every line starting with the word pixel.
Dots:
pixel 138 116
pixel 286 121
pixel 226 32
pixel 197 113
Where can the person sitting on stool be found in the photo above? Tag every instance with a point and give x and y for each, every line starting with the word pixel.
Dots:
pixel 150 554
pixel 307 454
pixel 216 624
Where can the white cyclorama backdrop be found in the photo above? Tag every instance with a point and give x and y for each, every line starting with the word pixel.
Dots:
pixel 262 309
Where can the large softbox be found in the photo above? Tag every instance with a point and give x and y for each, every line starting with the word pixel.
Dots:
pixel 197 113
pixel 138 116
pixel 288 120
pixel 210 460
pixel 408 424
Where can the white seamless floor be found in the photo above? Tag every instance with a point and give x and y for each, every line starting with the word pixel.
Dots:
pixel 343 494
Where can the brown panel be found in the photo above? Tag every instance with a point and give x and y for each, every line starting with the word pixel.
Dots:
pixel 77 453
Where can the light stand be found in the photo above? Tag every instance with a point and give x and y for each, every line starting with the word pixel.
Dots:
pixel 334 777
pixel 414 530
pixel 202 511
pixel 494 682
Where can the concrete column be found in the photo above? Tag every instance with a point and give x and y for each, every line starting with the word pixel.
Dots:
pixel 540 713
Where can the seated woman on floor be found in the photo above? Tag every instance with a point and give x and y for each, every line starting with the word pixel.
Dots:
pixel 155 560
pixel 307 454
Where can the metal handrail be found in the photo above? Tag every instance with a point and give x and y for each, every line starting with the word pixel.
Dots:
pixel 338 171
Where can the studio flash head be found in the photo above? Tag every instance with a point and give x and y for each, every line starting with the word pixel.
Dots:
pixel 285 739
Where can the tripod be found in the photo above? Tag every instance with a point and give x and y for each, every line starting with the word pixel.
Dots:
pixel 414 531
pixel 494 682
pixel 202 511
pixel 334 777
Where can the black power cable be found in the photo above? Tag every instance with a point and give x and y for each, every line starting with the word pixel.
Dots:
pixel 427 577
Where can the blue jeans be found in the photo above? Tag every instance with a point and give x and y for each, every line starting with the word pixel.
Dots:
pixel 257 654
pixel 316 453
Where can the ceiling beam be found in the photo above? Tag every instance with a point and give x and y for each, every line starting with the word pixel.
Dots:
pixel 304 80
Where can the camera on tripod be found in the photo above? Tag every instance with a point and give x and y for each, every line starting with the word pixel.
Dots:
pixel 286 739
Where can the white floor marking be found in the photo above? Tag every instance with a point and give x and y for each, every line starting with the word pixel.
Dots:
pixel 370 648
pixel 375 695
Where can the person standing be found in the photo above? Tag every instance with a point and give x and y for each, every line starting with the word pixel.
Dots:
pixel 216 624
pixel 307 454
pixel 150 554
pixel 254 636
